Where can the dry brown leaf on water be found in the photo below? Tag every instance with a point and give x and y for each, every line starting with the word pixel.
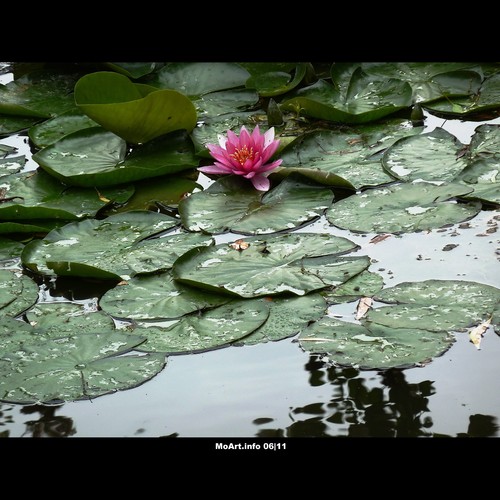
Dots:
pixel 379 238
pixel 476 334
pixel 364 305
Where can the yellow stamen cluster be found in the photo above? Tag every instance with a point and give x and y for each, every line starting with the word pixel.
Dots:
pixel 242 155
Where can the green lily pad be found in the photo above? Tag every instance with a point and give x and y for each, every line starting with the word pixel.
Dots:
pixel 485 142
pixel 199 78
pixel 73 368
pixel 486 99
pixel 15 332
pixel 430 80
pixel 287 317
pixel 361 101
pixel 365 284
pixel 135 112
pixel 50 131
pixel 59 319
pixel 41 94
pixel 403 208
pixel 38 227
pixel 157 192
pixel 10 124
pixel 10 249
pixel 212 107
pixel 96 157
pixel 433 156
pixel 272 79
pixel 484 176
pixel 435 305
pixel 205 330
pixel 6 149
pixel 376 348
pixel 38 195
pixel 232 203
pixel 96 248
pixel 18 292
pixel 157 297
pixel 352 155
pixel 134 70
pixel 212 126
pixel 283 264
pixel 11 165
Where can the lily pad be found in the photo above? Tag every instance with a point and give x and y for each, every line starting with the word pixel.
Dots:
pixel 10 123
pixel 284 264
pixel 38 195
pixel 95 248
pixel 96 157
pixel 272 79
pixel 205 330
pixel 135 112
pixel 484 176
pixel 212 107
pixel 361 101
pixel 209 129
pixel 199 78
pixel 376 348
pixel 350 154
pixel 15 332
pixel 40 94
pixel 134 70
pixel 486 99
pixel 433 156
pixel 435 305
pixel 157 297
pixel 403 208
pixel 158 192
pixel 365 284
pixel 430 80
pixel 73 368
pixel 10 249
pixel 50 131
pixel 232 203
pixel 287 317
pixel 485 142
pixel 38 227
pixel 59 319
pixel 18 292
pixel 11 165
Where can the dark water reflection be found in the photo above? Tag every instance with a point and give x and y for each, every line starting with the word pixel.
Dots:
pixel 394 408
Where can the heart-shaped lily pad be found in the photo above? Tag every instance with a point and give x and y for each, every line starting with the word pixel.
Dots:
pixel 18 292
pixel 289 263
pixel 157 297
pixel 98 248
pixel 96 157
pixel 208 329
pixel 403 208
pixel 376 348
pixel 135 112
pixel 72 368
pixel 232 203
pixel 435 305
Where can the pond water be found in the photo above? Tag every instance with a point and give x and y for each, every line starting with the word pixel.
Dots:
pixel 278 390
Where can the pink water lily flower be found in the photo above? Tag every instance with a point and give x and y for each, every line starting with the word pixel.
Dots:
pixel 246 155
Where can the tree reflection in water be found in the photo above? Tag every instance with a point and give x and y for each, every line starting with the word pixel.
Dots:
pixel 392 408
pixel 49 424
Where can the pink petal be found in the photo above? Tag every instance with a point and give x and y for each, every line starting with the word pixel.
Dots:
pixel 222 141
pixel 270 166
pixel 269 137
pixel 244 137
pixel 215 169
pixel 261 183
pixel 270 150
pixel 232 139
